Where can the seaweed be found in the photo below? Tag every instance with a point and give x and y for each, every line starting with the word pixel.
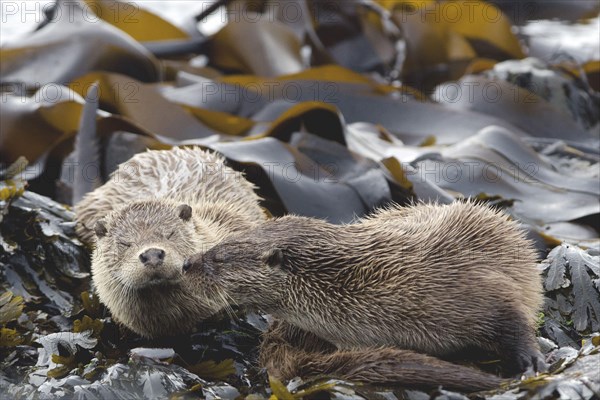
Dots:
pixel 571 278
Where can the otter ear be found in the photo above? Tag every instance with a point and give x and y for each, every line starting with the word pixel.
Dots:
pixel 274 258
pixel 100 229
pixel 185 212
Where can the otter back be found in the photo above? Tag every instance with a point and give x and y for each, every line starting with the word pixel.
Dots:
pixel 430 278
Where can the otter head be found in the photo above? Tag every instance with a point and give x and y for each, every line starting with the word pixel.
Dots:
pixel 240 271
pixel 144 244
pixel 136 266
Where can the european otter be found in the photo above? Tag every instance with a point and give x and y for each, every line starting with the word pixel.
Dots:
pixel 434 279
pixel 157 209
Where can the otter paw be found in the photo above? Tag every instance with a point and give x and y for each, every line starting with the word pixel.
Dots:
pixel 531 362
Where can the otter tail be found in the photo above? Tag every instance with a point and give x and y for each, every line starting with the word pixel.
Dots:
pixel 395 366
pixel 287 352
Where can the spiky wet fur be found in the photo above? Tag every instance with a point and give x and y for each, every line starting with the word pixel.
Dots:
pixel 429 278
pixel 138 206
pixel 181 174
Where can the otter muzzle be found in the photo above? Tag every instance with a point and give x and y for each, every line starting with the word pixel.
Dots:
pixel 152 257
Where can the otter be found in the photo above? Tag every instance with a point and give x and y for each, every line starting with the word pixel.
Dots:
pixel 435 280
pixel 157 209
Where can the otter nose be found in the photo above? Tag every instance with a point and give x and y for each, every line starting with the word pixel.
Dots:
pixel 152 257
pixel 190 262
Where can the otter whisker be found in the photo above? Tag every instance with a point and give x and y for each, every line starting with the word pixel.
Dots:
pixel 226 306
pixel 231 300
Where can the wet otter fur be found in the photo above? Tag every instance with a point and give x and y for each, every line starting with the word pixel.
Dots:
pixel 180 174
pixel 432 279
pixel 287 352
pixel 157 209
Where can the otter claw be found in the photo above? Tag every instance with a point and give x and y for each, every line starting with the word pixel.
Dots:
pixel 540 364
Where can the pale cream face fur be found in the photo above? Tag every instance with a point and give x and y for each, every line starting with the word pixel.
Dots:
pixel 154 299
pixel 128 270
pixel 137 228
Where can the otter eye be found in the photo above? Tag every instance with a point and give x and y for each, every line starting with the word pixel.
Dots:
pixel 170 235
pixel 100 229
pixel 274 258
pixel 124 245
pixel 220 257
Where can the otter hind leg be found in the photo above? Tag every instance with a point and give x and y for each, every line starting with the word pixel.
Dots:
pixel 286 349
